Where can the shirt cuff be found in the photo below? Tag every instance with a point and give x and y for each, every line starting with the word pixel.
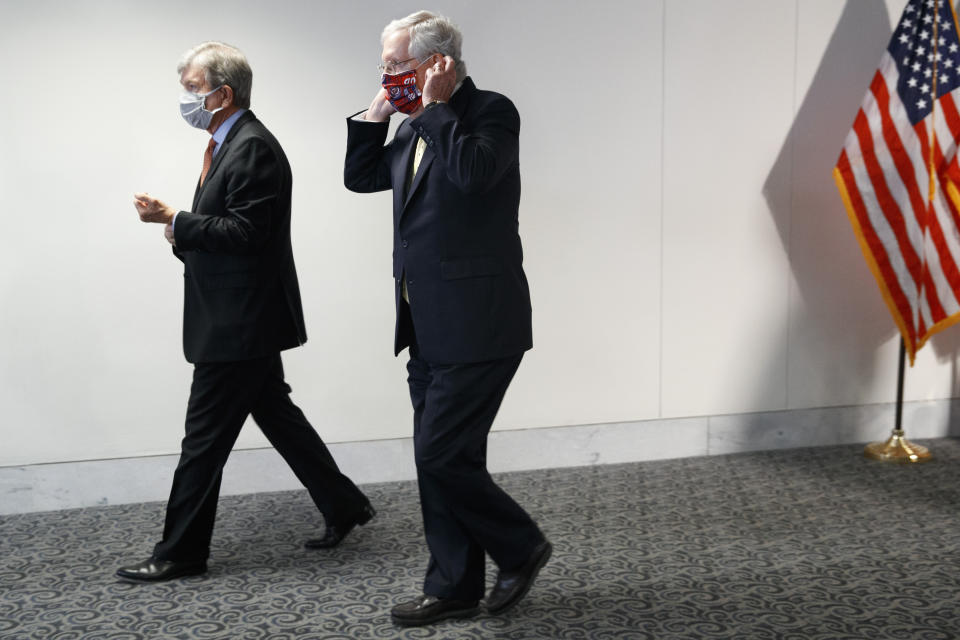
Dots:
pixel 359 118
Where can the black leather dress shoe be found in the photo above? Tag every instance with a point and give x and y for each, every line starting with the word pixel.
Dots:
pixel 151 570
pixel 511 586
pixel 429 609
pixel 335 533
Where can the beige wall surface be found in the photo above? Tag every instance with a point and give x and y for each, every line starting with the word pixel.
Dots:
pixel 687 252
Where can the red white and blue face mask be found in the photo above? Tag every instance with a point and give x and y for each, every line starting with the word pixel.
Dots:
pixel 402 90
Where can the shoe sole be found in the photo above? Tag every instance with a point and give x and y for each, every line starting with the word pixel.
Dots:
pixel 533 578
pixel 458 614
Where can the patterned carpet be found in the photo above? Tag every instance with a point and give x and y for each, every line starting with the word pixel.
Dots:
pixel 802 544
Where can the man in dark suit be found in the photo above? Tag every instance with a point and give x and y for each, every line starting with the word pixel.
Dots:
pixel 463 306
pixel 241 309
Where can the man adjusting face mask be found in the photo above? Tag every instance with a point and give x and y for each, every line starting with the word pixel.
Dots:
pixel 402 90
pixel 454 170
pixel 193 109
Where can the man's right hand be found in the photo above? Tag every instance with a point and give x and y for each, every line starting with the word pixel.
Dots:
pixel 380 109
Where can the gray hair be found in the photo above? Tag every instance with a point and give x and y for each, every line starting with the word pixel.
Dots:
pixel 430 33
pixel 222 65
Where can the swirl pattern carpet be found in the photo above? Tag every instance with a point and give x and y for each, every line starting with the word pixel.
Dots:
pixel 805 544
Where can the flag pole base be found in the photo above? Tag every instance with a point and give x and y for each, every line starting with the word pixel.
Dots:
pixel 897 449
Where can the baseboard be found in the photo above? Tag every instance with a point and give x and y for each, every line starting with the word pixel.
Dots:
pixel 68 485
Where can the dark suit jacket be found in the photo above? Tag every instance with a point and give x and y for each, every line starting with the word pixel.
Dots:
pixel 241 296
pixel 455 237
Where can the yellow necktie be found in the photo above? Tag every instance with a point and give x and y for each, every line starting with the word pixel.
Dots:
pixel 417 157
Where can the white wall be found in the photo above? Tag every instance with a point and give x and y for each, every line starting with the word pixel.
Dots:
pixel 687 252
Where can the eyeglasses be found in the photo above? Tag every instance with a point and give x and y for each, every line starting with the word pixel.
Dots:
pixel 393 67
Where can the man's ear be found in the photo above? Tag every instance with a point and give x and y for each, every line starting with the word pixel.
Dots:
pixel 227 96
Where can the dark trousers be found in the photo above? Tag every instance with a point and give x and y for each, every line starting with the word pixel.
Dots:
pixel 465 513
pixel 222 395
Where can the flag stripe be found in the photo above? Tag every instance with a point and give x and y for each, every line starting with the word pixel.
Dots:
pixel 943 253
pixel 951 122
pixel 908 172
pixel 936 312
pixel 935 225
pixel 886 275
pixel 933 280
pixel 886 203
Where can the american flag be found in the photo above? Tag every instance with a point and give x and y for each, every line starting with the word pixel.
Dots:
pixel 898 173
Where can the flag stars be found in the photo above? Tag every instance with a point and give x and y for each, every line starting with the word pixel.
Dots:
pixel 926 47
pixel 921 42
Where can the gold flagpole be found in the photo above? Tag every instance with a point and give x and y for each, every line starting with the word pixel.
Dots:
pixel 897 448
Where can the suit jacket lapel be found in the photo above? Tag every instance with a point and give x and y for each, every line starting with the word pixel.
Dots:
pixel 406 142
pixel 458 102
pixel 242 120
pixel 421 170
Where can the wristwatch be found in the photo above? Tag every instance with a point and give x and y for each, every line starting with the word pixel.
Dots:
pixel 432 104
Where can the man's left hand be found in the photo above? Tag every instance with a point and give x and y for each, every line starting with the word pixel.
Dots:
pixel 153 210
pixel 441 79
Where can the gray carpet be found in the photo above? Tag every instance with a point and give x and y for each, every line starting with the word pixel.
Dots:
pixel 802 544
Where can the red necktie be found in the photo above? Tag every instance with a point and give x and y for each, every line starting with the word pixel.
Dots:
pixel 207 159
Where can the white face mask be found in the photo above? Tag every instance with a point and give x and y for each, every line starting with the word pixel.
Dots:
pixel 193 111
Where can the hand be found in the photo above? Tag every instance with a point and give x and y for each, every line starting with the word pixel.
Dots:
pixel 168 234
pixel 441 79
pixel 153 210
pixel 380 109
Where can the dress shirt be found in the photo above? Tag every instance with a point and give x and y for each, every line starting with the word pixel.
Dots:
pixel 219 135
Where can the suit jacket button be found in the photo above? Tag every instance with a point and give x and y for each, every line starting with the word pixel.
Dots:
pixel 404 244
